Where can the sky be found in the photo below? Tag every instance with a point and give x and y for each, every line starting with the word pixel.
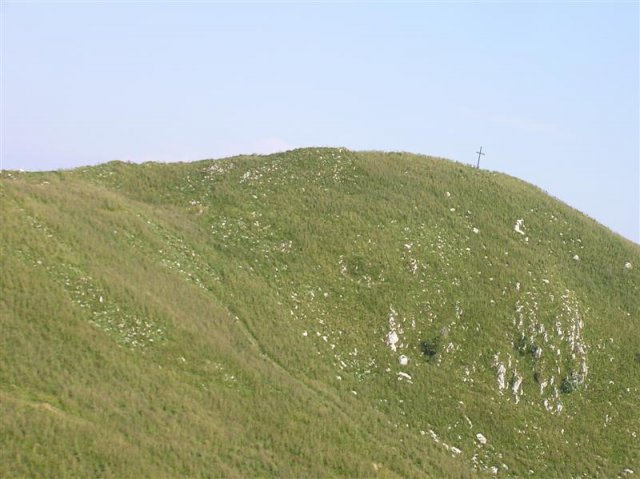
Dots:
pixel 549 90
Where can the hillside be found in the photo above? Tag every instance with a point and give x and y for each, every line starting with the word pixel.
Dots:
pixel 315 313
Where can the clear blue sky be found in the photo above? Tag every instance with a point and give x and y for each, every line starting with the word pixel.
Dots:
pixel 550 90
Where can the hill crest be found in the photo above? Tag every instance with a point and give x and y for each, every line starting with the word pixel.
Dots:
pixel 343 313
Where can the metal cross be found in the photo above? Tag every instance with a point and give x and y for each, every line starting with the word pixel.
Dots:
pixel 479 155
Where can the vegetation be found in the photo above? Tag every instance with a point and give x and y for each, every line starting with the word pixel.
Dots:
pixel 315 313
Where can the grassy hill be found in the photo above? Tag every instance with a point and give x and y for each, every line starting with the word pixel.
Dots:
pixel 315 313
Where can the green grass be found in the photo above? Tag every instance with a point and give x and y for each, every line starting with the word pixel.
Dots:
pixel 232 318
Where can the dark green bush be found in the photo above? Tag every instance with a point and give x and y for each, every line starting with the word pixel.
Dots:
pixel 567 386
pixel 430 347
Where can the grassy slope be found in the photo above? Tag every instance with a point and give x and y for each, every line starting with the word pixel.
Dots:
pixel 231 318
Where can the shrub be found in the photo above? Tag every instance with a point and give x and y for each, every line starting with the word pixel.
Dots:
pixel 430 347
pixel 520 344
pixel 571 382
pixel 567 386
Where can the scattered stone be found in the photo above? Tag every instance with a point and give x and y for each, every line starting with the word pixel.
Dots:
pixel 392 336
pixel 392 340
pixel 502 370
pixel 517 387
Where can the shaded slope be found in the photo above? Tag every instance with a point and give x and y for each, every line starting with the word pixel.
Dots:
pixel 318 312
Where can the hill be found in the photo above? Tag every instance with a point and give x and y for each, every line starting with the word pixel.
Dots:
pixel 315 313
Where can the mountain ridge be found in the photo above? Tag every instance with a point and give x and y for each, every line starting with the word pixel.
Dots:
pixel 435 319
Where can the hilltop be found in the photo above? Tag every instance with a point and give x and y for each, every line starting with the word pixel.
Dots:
pixel 314 313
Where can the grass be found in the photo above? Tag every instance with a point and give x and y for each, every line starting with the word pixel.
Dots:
pixel 233 318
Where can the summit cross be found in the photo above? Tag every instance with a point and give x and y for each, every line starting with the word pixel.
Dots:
pixel 479 155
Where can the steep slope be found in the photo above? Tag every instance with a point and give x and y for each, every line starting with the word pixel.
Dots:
pixel 314 313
